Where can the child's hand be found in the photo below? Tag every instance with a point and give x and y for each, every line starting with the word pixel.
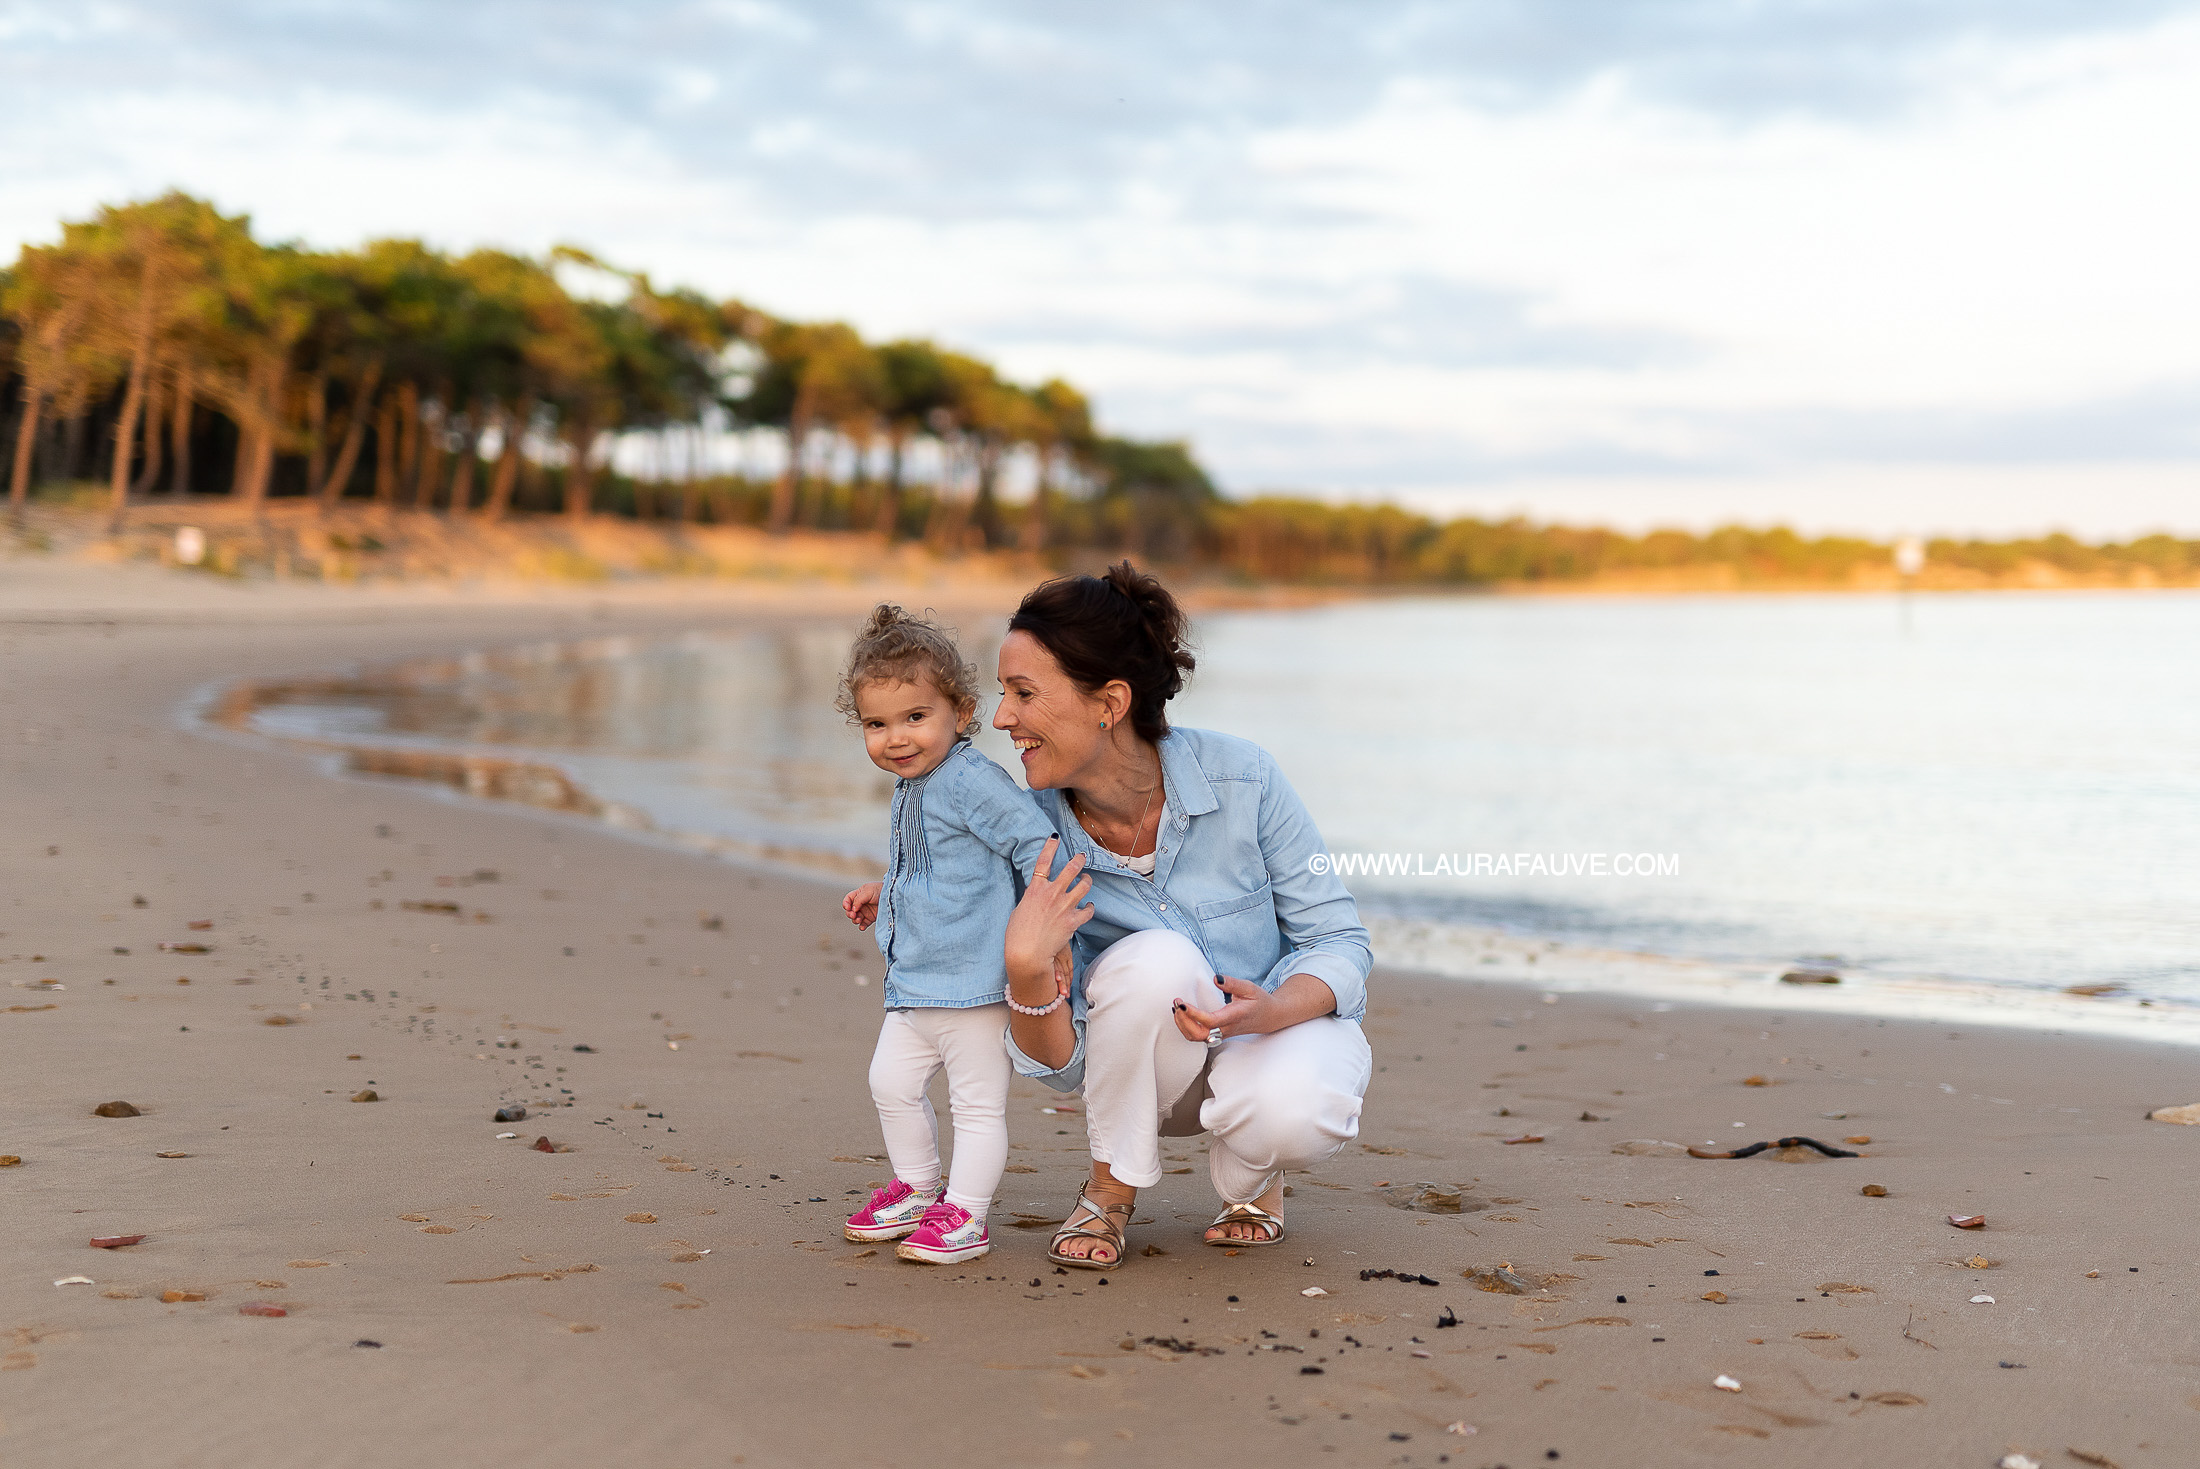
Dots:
pixel 861 906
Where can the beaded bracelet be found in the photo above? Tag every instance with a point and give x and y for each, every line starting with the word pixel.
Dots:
pixel 1046 1009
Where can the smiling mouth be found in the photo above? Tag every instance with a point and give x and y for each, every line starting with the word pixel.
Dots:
pixel 1026 746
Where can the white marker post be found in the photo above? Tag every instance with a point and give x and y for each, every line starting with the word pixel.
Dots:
pixel 1909 560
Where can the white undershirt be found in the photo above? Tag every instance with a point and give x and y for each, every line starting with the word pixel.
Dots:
pixel 1143 866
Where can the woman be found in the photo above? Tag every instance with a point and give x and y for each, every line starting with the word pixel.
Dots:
pixel 1218 977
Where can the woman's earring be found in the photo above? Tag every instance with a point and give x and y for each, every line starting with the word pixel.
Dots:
pixel 1103 724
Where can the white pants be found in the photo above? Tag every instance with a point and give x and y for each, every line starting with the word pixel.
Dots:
pixel 1286 1100
pixel 913 1046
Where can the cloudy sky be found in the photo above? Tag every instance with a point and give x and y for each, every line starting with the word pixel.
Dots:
pixel 1857 264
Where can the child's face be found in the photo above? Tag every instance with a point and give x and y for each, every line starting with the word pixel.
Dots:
pixel 908 728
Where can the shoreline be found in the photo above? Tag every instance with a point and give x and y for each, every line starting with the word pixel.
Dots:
pixel 1458 951
pixel 522 1312
pixel 295 547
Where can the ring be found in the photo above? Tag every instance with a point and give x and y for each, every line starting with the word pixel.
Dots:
pixel 1214 1036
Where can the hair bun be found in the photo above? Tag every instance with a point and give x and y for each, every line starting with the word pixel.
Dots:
pixel 884 618
pixel 1159 616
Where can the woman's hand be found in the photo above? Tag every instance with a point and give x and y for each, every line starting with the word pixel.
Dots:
pixel 1247 1009
pixel 1050 911
pixel 1037 950
pixel 861 906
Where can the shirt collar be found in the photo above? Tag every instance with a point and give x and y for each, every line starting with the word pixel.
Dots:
pixel 1188 791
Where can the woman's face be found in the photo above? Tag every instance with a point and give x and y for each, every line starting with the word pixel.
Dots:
pixel 1054 723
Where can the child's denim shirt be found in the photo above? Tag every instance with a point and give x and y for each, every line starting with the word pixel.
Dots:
pixel 965 836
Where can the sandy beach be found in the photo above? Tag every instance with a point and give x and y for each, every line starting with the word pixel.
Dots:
pixel 670 1286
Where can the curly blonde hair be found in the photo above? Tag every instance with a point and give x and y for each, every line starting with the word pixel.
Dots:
pixel 897 648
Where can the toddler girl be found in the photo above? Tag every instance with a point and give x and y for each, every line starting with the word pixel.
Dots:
pixel 963 834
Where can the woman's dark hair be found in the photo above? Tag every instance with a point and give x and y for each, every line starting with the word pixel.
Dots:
pixel 1124 625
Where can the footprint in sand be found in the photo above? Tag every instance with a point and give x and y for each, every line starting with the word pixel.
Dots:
pixel 1826 1344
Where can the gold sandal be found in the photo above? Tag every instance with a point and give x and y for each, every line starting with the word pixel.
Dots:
pixel 1089 1221
pixel 1269 1226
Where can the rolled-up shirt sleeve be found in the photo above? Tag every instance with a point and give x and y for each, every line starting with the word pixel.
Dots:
pixel 1316 912
pixel 1066 1078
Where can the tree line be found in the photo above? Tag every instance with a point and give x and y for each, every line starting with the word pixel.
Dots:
pixel 1277 538
pixel 160 347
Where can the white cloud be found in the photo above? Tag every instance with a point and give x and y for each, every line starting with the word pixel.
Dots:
pixel 1625 281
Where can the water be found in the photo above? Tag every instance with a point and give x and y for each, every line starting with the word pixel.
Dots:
pixel 2007 790
pixel 1999 789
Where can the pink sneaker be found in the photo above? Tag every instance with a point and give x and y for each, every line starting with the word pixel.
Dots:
pixel 949 1235
pixel 892 1213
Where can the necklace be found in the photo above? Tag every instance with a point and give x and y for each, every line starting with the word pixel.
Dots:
pixel 1077 808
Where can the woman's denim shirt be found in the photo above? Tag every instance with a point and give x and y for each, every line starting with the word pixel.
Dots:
pixel 1232 873
pixel 964 836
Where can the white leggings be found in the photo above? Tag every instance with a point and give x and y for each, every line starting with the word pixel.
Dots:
pixel 913 1045
pixel 1290 1099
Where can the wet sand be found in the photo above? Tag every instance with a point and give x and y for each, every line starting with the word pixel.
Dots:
pixel 674 1289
